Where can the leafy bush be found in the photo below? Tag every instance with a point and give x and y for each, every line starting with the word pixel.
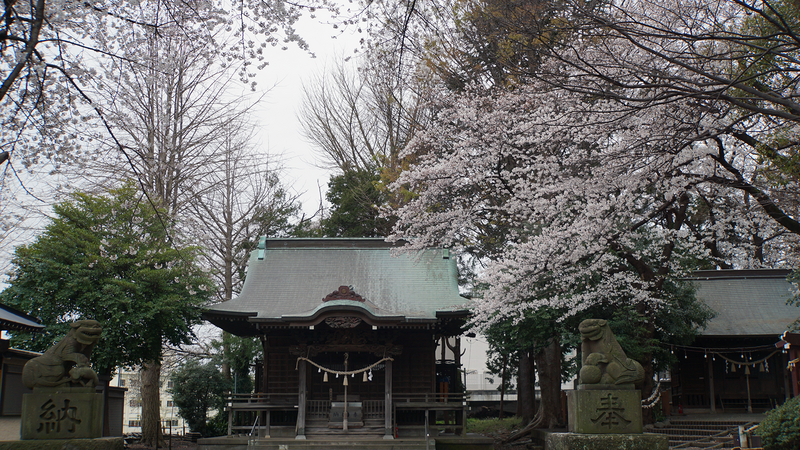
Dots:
pixel 781 429
pixel 199 389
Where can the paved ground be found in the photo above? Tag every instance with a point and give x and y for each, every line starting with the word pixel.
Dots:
pixel 9 428
pixel 176 445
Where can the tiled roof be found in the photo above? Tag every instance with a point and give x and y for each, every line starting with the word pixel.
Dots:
pixel 747 302
pixel 288 279
pixel 13 320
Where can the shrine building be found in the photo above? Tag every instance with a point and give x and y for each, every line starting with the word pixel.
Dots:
pixel 358 339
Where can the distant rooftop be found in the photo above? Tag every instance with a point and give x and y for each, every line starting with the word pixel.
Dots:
pixel 747 302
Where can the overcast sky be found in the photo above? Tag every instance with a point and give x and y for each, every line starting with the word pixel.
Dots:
pixel 280 129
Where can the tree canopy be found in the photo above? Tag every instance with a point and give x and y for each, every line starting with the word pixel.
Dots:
pixel 109 258
pixel 356 199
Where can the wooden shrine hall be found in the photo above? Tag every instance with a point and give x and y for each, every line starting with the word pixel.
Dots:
pixel 358 339
pixel 738 362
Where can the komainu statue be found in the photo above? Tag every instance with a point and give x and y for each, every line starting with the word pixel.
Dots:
pixel 602 358
pixel 66 364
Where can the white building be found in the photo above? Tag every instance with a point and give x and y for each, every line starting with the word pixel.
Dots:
pixel 132 410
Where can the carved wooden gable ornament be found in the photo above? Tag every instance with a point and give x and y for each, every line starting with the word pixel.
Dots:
pixel 343 293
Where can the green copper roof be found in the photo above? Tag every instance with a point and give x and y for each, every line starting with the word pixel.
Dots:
pixel 287 280
pixel 747 302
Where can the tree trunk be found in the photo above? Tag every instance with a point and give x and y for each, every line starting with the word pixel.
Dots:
pixel 226 354
pixel 503 387
pixel 526 395
pixel 151 404
pixel 647 388
pixel 548 363
pixel 647 365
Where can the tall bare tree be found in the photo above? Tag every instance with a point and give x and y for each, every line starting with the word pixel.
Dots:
pixel 235 204
pixel 170 105
pixel 360 117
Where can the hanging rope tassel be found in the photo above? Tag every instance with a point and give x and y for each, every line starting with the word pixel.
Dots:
pixel 365 377
pixel 325 378
pixel 345 381
pixel 747 370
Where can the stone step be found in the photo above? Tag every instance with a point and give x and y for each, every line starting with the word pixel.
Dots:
pixel 691 431
pixel 704 443
pixel 701 434
pixel 699 423
pixel 695 439
pixel 342 443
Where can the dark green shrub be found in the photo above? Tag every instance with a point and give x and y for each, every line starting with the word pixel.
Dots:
pixel 781 429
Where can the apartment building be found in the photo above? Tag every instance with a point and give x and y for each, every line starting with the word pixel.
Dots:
pixel 171 422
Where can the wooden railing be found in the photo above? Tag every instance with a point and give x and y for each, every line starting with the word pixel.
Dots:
pixel 373 409
pixel 260 398
pixel 243 409
pixel 318 409
pixel 410 409
pixel 430 397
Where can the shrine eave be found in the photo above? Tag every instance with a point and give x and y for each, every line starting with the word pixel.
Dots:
pixel 236 323
pixel 248 324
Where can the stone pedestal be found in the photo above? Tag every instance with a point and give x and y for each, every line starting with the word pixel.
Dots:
pixel 602 409
pixel 574 441
pixel 62 413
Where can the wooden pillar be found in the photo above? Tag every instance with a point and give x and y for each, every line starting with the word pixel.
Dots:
pixel 747 383
pixel 710 363
pixel 792 356
pixel 264 388
pixel 782 361
pixel 265 351
pixel 301 401
pixel 230 420
pixel 427 432
pixel 388 408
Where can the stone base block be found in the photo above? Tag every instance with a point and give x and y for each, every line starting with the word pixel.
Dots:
pixel 108 443
pixel 62 414
pixel 601 411
pixel 575 441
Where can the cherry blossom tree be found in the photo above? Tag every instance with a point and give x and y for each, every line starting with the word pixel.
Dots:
pixel 734 59
pixel 659 134
pixel 595 205
pixel 51 50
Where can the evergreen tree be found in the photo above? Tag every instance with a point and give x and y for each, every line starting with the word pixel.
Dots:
pixel 109 258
